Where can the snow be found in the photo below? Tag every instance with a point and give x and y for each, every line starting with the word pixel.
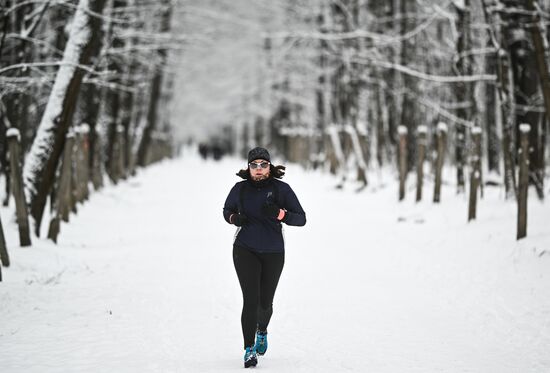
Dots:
pixel 422 129
pixel 362 128
pixel 459 4
pixel 442 127
pixel 402 130
pixel 142 280
pixel 476 130
pixel 360 159
pixel 332 131
pixel 13 132
pixel 82 129
pixel 524 128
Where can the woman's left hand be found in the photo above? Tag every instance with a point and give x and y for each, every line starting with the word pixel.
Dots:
pixel 273 211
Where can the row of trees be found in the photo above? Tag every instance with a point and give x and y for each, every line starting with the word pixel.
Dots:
pixel 347 77
pixel 97 71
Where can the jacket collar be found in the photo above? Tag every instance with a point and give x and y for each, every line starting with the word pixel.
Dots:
pixel 260 184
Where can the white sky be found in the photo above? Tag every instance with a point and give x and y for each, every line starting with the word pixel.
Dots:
pixel 221 61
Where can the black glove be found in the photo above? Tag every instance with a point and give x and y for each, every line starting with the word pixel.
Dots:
pixel 271 210
pixel 239 219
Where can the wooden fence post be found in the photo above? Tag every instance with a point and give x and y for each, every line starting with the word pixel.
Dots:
pixel 509 168
pixel 66 177
pixel 64 194
pixel 422 131
pixel 120 170
pixel 17 187
pixel 402 131
pixel 82 163
pixel 441 149
pixel 4 257
pixel 475 174
pixel 97 177
pixel 130 156
pixel 523 185
pixel 74 184
pixel 77 164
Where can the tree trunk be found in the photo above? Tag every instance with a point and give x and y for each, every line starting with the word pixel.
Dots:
pixel 409 108
pixel 18 188
pixel 491 127
pixel 441 149
pixel 4 257
pixel 46 149
pixel 504 94
pixel 475 174
pixel 526 89
pixel 536 162
pixel 4 162
pixel 113 99
pixel 403 168
pixel 156 85
pixel 464 91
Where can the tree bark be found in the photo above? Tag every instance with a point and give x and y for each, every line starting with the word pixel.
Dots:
pixel 441 149
pixel 46 149
pixel 504 94
pixel 156 85
pixel 4 257
pixel 409 109
pixel 18 188
pixel 537 163
pixel 491 128
pixel 526 87
pixel 464 91
pixel 475 174
pixel 403 157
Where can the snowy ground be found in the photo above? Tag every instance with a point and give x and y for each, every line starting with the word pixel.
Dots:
pixel 143 281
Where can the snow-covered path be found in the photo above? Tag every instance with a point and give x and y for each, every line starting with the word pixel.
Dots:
pixel 143 281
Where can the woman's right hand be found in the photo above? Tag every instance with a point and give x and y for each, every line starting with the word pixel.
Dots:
pixel 238 219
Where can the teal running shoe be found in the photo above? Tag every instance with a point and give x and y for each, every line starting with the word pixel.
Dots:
pixel 250 358
pixel 261 343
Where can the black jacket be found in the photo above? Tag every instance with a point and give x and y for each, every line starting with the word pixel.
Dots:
pixel 261 233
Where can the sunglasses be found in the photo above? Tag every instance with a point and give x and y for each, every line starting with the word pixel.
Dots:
pixel 253 165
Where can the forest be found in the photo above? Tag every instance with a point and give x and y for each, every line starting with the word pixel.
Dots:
pixel 348 86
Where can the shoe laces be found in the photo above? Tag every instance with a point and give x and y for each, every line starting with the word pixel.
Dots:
pixel 250 353
pixel 261 338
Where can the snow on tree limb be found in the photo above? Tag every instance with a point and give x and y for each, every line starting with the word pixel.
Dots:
pixel 64 62
pixel 13 132
pixel 378 38
pixel 424 76
pixel 80 35
pixel 442 127
pixel 524 128
pixel 476 130
pixel 41 161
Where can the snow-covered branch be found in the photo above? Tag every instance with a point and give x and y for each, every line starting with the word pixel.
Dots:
pixel 64 62
pixel 424 76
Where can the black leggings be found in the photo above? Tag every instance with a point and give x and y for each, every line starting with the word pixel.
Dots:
pixel 258 275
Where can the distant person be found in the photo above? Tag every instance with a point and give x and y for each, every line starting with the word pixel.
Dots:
pixel 203 150
pixel 217 152
pixel 258 206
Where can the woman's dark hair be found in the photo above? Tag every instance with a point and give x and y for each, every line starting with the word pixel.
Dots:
pixel 276 172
